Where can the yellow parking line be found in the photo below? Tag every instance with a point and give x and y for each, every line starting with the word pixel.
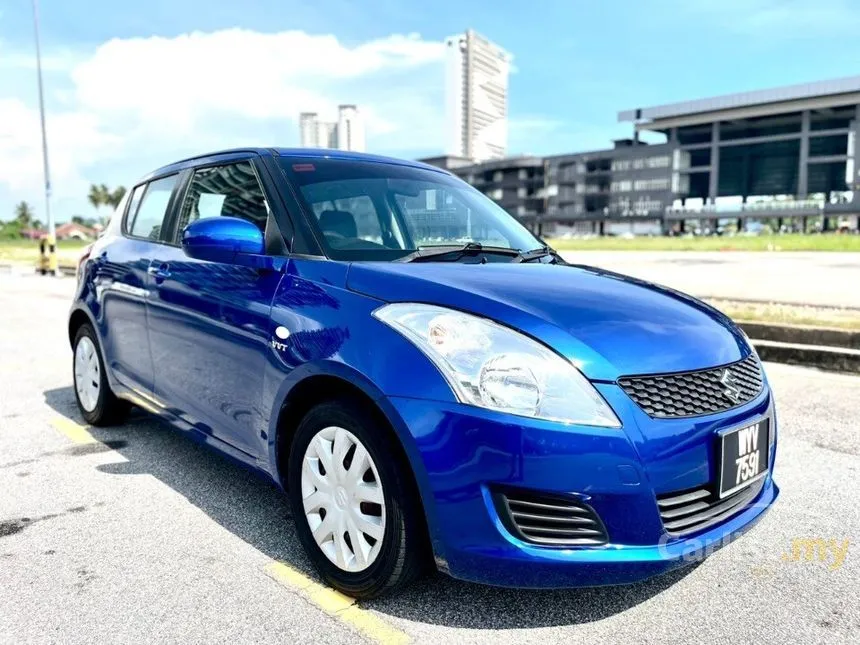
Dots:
pixel 335 604
pixel 72 430
pixel 332 602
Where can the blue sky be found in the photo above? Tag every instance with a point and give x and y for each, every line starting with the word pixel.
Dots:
pixel 128 90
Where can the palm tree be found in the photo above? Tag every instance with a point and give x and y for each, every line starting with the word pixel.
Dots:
pixel 99 195
pixel 115 197
pixel 23 214
pixel 96 196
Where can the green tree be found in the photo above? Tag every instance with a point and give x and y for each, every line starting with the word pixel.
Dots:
pixel 115 196
pixel 100 195
pixel 10 230
pixel 23 214
pixel 97 196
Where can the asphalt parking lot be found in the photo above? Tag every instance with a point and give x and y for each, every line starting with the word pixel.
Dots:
pixel 135 534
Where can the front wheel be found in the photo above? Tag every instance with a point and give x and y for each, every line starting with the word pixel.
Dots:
pixel 96 401
pixel 352 504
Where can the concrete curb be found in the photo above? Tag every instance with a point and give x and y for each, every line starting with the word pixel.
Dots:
pixel 834 359
pixel 802 334
pixel 789 303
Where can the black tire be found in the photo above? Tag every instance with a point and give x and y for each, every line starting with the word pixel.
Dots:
pixel 401 558
pixel 109 410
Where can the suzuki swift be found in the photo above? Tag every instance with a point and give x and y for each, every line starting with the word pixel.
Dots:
pixel 429 382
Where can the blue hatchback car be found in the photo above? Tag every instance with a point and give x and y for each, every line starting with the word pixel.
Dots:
pixel 429 382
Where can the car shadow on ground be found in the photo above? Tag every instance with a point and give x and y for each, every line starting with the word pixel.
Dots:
pixel 255 510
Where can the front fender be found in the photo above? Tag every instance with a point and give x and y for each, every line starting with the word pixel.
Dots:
pixel 353 376
pixel 320 328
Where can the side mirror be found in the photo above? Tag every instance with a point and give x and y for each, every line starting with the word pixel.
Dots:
pixel 229 240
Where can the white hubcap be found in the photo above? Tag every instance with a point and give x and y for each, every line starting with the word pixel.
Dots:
pixel 342 498
pixel 87 374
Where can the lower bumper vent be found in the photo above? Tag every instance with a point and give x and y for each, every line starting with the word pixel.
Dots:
pixel 549 519
pixel 692 511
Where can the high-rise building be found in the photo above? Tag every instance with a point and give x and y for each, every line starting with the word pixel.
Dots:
pixel 347 133
pixel 476 79
pixel 326 133
pixel 308 133
pixel 350 129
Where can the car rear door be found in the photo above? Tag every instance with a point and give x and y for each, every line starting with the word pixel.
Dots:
pixel 122 284
pixel 209 322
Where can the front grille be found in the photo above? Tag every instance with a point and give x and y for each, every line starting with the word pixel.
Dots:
pixel 695 510
pixel 550 519
pixel 686 394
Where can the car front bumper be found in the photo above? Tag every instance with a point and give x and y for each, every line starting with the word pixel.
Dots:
pixel 461 453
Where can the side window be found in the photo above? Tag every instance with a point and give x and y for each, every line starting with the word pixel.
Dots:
pixel 148 217
pixel 134 202
pixel 231 191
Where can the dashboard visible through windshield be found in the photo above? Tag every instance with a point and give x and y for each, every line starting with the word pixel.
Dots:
pixel 376 211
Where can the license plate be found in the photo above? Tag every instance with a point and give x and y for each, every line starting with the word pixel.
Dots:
pixel 744 456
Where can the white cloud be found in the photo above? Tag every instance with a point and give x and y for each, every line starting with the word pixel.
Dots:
pixel 76 141
pixel 162 98
pixel 175 80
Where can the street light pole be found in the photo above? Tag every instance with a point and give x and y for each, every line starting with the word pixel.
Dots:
pixel 52 231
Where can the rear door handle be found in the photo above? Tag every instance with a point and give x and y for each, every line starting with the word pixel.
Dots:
pixel 161 270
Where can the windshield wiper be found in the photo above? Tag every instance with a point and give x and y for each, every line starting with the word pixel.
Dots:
pixel 456 251
pixel 536 254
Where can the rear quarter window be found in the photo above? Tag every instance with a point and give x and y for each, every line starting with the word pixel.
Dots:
pixel 148 207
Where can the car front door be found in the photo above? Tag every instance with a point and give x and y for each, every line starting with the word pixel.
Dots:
pixel 122 284
pixel 209 322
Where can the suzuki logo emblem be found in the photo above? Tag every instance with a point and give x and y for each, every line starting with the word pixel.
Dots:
pixel 732 390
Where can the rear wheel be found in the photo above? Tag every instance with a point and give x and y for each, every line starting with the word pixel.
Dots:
pixel 352 502
pixel 96 401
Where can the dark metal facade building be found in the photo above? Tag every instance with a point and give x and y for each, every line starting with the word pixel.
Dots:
pixel 786 153
pixel 630 182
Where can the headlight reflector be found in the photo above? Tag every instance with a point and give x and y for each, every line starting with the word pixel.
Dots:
pixel 492 366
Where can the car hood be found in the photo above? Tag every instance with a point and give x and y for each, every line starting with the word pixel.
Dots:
pixel 609 325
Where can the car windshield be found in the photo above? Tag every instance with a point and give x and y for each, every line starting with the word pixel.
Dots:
pixel 366 210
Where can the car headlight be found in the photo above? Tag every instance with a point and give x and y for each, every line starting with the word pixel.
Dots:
pixel 495 367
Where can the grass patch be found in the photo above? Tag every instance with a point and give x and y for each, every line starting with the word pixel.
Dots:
pixel 789 242
pixel 27 251
pixel 789 314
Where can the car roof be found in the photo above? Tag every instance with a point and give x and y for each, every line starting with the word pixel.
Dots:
pixel 305 153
